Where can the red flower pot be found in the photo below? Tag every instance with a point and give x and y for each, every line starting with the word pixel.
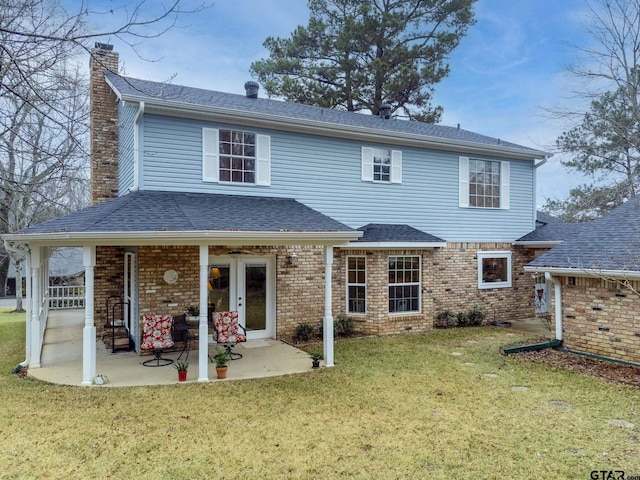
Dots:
pixel 182 376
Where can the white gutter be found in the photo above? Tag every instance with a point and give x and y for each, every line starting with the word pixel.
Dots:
pixel 395 245
pixel 185 238
pixel 558 298
pixel 584 272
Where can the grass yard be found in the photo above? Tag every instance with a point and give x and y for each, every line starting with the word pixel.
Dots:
pixel 410 406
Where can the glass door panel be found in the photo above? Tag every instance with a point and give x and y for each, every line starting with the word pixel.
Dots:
pixel 218 287
pixel 255 297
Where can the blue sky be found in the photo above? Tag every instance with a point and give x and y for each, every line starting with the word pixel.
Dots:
pixel 510 67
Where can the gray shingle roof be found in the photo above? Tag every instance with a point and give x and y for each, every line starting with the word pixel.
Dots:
pixel 153 211
pixel 144 89
pixel 611 242
pixel 553 232
pixel 377 232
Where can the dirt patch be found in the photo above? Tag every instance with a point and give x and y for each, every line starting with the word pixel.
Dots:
pixel 611 371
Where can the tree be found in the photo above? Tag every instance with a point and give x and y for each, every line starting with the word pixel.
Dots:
pixel 43 105
pixel 605 142
pixel 357 55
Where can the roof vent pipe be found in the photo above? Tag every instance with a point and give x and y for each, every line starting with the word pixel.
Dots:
pixel 252 89
pixel 385 111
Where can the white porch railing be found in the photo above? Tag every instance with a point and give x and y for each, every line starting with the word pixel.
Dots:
pixel 71 296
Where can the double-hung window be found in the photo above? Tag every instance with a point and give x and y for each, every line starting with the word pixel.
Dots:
pixel 236 156
pixel 381 165
pixel 404 284
pixel 356 284
pixel 484 183
pixel 494 269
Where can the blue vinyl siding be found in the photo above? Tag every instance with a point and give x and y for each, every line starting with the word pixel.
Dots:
pixel 325 174
pixel 126 114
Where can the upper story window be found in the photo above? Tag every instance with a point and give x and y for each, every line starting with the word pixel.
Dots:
pixel 494 269
pixel 236 156
pixel 381 165
pixel 484 183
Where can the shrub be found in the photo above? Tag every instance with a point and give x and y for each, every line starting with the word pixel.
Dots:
pixel 446 319
pixel 304 331
pixel 463 319
pixel 476 316
pixel 343 325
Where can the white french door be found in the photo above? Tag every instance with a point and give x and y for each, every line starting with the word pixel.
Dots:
pixel 245 283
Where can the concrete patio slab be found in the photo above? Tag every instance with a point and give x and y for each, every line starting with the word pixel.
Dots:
pixel 61 360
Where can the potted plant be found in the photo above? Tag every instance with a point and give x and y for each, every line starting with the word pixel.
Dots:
pixel 193 313
pixel 182 370
pixel 315 359
pixel 222 359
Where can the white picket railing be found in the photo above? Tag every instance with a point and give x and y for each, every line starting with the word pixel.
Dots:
pixel 71 296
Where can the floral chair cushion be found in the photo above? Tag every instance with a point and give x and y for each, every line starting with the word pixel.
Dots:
pixel 156 332
pixel 227 327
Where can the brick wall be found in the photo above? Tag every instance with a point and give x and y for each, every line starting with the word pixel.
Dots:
pixel 108 280
pixel 455 282
pixel 601 318
pixel 104 127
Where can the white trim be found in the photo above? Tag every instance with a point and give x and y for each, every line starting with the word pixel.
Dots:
pixel 494 254
pixel 419 284
pixel 186 238
pixel 138 126
pixel 584 272
pixel 505 191
pixel 393 245
pixel 263 160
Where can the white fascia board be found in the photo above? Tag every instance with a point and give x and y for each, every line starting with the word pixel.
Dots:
pixel 168 107
pixel 394 245
pixel 584 272
pixel 539 244
pixel 184 238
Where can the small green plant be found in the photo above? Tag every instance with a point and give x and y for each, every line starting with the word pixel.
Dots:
pixel 446 319
pixel 462 319
pixel 316 356
pixel 222 357
pixel 181 366
pixel 475 316
pixel 304 332
pixel 343 325
pixel 193 311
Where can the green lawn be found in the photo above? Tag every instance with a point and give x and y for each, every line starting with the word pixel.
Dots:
pixel 393 407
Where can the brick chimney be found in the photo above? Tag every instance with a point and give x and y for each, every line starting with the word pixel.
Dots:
pixel 104 125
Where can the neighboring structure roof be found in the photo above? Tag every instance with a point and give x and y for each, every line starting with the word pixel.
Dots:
pixel 189 98
pixel 610 243
pixel 385 235
pixel 165 213
pixel 64 262
pixel 543 218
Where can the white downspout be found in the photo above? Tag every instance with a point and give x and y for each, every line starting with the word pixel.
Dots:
pixel 327 330
pixel 136 147
pixel 558 298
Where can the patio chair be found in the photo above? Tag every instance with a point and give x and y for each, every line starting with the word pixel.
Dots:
pixel 226 332
pixel 156 336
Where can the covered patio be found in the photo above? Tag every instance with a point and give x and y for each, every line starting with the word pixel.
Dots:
pixel 61 360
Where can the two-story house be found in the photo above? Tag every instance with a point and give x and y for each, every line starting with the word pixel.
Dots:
pixel 288 214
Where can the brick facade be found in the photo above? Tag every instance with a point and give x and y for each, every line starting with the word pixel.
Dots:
pixel 449 280
pixel 601 318
pixel 104 127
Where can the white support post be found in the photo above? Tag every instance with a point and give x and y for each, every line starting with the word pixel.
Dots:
pixel 203 331
pixel 558 305
pixel 89 330
pixel 36 336
pixel 327 330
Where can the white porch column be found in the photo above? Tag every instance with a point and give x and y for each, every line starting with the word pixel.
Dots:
pixel 327 329
pixel 35 335
pixel 558 300
pixel 203 331
pixel 89 330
